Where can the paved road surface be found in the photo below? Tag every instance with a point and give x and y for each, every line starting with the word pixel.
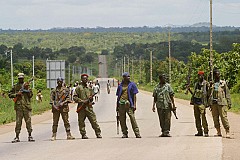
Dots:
pixel 182 145
pixel 102 65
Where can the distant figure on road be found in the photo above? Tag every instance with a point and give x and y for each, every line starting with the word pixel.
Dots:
pixel 163 98
pixel 126 103
pixel 199 101
pixel 82 96
pixel 219 102
pixel 22 95
pixel 60 97
pixel 108 87
pixel 98 85
pixel 95 89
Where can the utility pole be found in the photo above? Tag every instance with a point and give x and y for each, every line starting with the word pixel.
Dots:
pixel 211 47
pixel 169 54
pixel 11 61
pixel 151 66
pixel 69 70
pixel 140 71
pixel 33 73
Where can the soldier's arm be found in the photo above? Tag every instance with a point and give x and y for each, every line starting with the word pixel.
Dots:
pixel 154 100
pixel 52 97
pixel 67 97
pixel 76 96
pixel 228 97
pixel 11 93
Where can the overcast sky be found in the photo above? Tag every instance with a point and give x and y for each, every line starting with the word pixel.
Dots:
pixel 46 14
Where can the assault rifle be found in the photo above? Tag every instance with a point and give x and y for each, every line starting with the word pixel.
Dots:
pixel 59 104
pixel 24 89
pixel 82 105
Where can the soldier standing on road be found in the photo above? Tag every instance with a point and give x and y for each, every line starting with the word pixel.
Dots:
pixel 82 95
pixel 22 96
pixel 200 103
pixel 219 102
pixel 126 103
pixel 163 98
pixel 60 97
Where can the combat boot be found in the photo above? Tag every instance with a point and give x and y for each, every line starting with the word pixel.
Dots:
pixel 69 136
pixel 199 134
pixel 125 136
pixel 30 139
pixel 227 133
pixel 54 135
pixel 219 134
pixel 84 136
pixel 15 140
pixel 99 136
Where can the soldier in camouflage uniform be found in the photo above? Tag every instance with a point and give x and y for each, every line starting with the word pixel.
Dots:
pixel 82 95
pixel 199 101
pixel 60 97
pixel 220 101
pixel 163 98
pixel 22 97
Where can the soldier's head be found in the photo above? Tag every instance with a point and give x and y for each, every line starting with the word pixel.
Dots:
pixel 162 78
pixel 126 77
pixel 21 77
pixel 216 74
pixel 60 81
pixel 200 75
pixel 84 79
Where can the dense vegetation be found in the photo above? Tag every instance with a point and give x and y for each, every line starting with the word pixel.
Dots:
pixel 188 50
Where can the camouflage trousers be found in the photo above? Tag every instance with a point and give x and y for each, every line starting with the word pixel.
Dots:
pixel 88 113
pixel 122 118
pixel 20 114
pixel 200 118
pixel 220 111
pixel 164 116
pixel 56 116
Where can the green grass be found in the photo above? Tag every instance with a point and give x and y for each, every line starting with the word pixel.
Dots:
pixel 7 112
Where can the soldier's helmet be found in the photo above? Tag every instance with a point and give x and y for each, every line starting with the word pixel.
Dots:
pixel 60 79
pixel 20 75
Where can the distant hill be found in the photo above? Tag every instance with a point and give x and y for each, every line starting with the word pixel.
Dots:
pixel 198 27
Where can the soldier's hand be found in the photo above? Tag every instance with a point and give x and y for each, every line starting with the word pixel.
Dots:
pixel 85 101
pixel 19 94
pixel 134 108
pixel 174 107
pixel 153 109
pixel 229 106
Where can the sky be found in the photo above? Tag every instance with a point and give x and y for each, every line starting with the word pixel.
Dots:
pixel 46 14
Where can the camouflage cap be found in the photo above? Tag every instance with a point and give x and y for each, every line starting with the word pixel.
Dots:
pixel 20 75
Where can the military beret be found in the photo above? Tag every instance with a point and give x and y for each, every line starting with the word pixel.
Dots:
pixel 200 72
pixel 82 75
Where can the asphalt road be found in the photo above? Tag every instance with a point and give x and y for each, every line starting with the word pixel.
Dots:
pixel 102 65
pixel 183 145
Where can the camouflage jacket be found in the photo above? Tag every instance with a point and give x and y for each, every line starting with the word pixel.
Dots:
pixel 60 95
pixel 201 93
pixel 162 95
pixel 221 94
pixel 23 101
